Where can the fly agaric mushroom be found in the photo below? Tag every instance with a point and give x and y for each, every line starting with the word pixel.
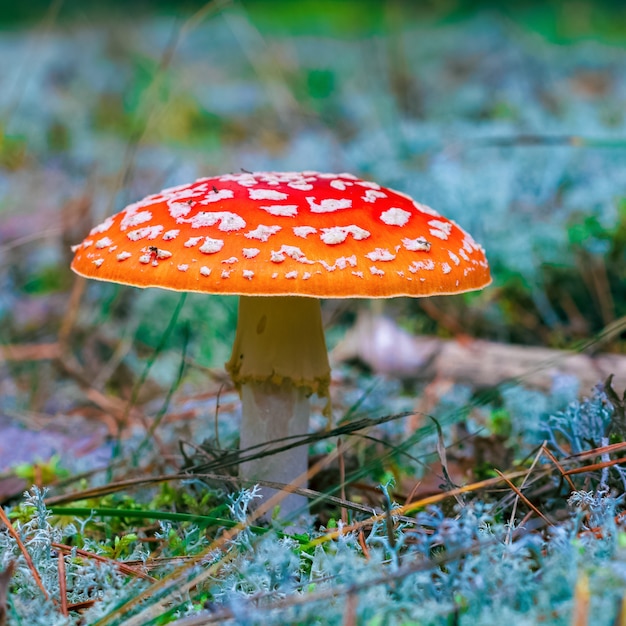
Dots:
pixel 281 241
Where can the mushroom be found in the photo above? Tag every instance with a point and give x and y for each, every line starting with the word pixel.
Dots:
pixel 281 241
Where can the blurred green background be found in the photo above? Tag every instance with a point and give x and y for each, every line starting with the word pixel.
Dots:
pixel 509 118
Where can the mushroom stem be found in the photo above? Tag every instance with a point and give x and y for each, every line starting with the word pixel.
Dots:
pixel 279 360
pixel 272 412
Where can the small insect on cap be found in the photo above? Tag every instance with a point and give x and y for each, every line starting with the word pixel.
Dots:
pixel 284 233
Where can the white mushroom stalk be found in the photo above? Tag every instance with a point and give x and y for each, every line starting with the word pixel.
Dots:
pixel 279 360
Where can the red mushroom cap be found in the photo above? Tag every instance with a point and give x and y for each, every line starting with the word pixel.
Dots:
pixel 284 233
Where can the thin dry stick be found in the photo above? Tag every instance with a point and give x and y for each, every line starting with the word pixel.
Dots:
pixel 30 352
pixel 525 519
pixel 551 456
pixel 595 466
pixel 514 511
pixel 122 567
pixel 507 541
pixel 413 491
pixel 443 459
pixel 366 552
pixel 34 236
pixel 590 454
pixel 215 419
pixel 524 499
pixel 22 547
pixel 62 584
pixel 97 492
pixel 71 311
pixel 121 350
